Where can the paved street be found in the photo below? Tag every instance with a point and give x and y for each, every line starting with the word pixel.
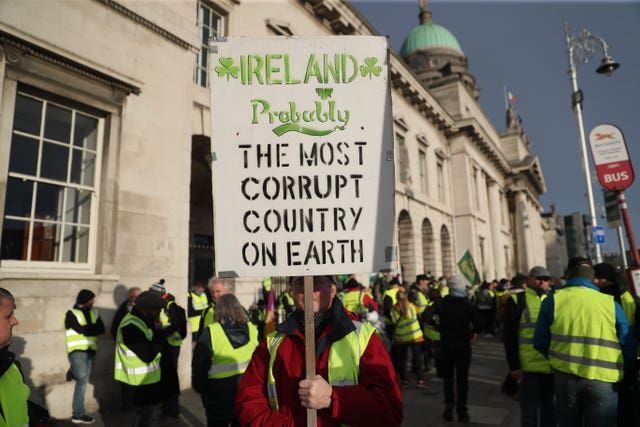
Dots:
pixel 487 406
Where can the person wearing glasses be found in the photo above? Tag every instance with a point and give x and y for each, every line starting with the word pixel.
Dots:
pixel 355 382
pixel 530 369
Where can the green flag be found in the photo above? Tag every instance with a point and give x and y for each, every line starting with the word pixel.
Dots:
pixel 468 268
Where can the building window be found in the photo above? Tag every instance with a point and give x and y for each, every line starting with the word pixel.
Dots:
pixel 423 172
pixel 440 170
pixel 279 28
pixel 210 24
pixel 403 159
pixel 51 196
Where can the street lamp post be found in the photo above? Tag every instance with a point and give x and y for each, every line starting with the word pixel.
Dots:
pixel 584 45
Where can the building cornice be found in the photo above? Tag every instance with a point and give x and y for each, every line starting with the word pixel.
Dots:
pixel 16 47
pixel 477 134
pixel 128 13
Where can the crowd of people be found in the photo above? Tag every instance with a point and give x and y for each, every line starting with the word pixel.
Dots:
pixel 570 347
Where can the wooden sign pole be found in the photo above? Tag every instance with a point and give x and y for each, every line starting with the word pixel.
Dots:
pixel 309 341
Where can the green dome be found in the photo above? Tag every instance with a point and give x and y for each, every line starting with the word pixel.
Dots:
pixel 428 35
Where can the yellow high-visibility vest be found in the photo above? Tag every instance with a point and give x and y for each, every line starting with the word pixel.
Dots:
pixel 128 368
pixel 584 342
pixel 344 358
pixel 198 303
pixel 78 341
pixel 13 399
pixel 530 359
pixel 226 360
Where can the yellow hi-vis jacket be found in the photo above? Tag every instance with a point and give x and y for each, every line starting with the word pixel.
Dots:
pixel 198 303
pixel 344 358
pixel 174 339
pixel 407 328
pixel 393 294
pixel 354 301
pixel 77 341
pixel 129 369
pixel 530 359
pixel 226 360
pixel 583 335
pixel 13 399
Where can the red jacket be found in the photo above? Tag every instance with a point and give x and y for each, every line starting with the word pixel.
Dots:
pixel 375 401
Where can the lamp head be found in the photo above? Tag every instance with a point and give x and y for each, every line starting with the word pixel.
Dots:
pixel 608 66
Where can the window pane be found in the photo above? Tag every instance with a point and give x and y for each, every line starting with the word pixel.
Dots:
pixel 28 115
pixel 24 155
pixel 85 134
pixel 55 159
pixel 205 14
pixel 45 241
pixel 205 35
pixel 82 167
pixel 18 198
pixel 15 235
pixel 57 124
pixel 76 244
pixel 78 208
pixel 49 201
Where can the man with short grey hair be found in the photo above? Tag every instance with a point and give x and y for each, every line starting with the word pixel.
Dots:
pixel 218 287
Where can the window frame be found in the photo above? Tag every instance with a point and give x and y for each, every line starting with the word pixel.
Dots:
pixel 204 46
pixel 92 245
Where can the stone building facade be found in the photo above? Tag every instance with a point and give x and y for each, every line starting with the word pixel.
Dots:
pixel 105 163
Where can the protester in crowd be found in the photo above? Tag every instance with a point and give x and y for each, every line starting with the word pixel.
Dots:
pixel 218 287
pixel 285 304
pixel 173 320
pixel 357 300
pixel 142 359
pixel 530 369
pixel 459 324
pixel 83 325
pixel 220 358
pixel 389 300
pixel 355 382
pixel 197 302
pixel 408 337
pixel 605 278
pixel 587 339
pixel 14 393
pixel 124 308
pixel 431 329
pixel 486 304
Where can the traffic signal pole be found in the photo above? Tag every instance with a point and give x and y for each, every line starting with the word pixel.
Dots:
pixel 628 228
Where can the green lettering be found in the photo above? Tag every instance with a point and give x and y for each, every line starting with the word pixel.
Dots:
pixel 270 68
pixel 313 69
pixel 255 68
pixel 287 73
pixel 354 69
pixel 332 68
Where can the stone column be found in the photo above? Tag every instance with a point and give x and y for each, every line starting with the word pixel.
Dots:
pixel 495 218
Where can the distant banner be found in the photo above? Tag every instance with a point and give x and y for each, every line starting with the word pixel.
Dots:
pixel 303 170
pixel 468 268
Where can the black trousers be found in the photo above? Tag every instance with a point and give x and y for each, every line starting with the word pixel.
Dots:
pixel 456 359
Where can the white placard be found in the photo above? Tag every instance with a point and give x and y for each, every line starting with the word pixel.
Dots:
pixel 303 155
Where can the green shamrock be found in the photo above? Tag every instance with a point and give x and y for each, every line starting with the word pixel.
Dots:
pixel 370 68
pixel 227 68
pixel 324 92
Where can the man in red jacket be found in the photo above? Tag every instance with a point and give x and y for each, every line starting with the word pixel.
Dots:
pixel 355 382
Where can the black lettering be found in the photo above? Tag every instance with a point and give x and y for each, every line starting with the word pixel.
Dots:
pixel 250 254
pixel 244 188
pixel 276 188
pixel 245 220
pixel 291 254
pixel 360 145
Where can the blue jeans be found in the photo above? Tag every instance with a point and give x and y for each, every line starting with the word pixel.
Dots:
pixel 536 391
pixel 81 363
pixel 583 402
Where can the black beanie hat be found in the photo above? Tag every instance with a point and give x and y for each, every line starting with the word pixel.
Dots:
pixel 84 296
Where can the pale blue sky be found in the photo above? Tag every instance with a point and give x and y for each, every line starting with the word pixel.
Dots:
pixel 521 45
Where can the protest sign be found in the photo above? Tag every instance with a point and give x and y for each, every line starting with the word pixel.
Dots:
pixel 302 138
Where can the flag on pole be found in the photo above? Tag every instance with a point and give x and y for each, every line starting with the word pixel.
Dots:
pixel 510 97
pixel 468 268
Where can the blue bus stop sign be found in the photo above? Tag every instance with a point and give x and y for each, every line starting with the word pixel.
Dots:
pixel 598 234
